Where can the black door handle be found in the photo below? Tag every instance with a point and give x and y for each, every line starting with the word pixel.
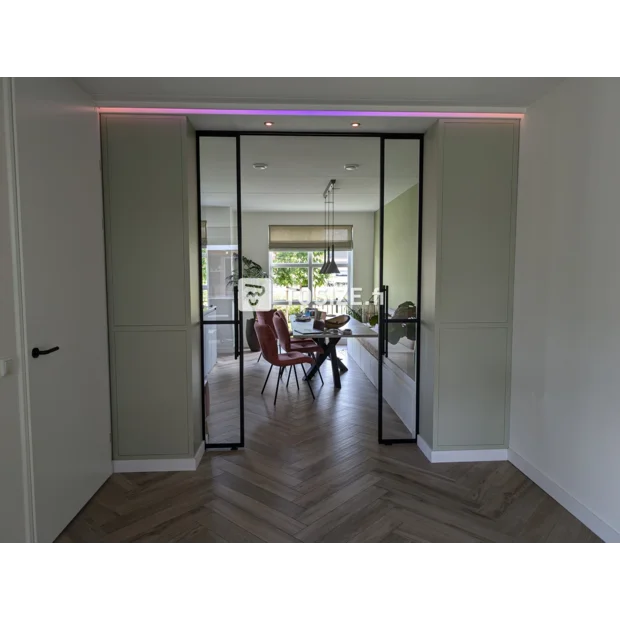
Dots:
pixel 236 317
pixel 36 352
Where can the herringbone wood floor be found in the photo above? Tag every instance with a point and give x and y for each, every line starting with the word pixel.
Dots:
pixel 312 471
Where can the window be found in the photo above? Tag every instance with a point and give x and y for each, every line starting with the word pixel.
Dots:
pixel 295 258
pixel 297 280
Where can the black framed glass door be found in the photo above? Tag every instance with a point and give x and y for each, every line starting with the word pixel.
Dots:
pixel 397 256
pixel 400 219
pixel 219 186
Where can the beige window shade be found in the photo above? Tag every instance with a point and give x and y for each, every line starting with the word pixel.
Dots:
pixel 309 237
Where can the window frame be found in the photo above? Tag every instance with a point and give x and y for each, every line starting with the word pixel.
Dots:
pixel 310 265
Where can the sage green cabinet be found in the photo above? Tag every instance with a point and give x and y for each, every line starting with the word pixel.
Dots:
pixel 470 180
pixel 153 290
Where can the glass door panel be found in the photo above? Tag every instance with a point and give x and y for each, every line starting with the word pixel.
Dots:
pixel 399 282
pixel 220 321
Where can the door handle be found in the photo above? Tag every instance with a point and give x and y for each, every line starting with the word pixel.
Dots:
pixel 386 302
pixel 36 352
pixel 236 317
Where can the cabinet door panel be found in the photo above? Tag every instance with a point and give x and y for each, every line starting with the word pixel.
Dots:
pixel 151 393
pixel 476 222
pixel 145 220
pixel 472 386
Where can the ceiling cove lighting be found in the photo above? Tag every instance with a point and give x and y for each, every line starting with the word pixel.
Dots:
pixel 339 113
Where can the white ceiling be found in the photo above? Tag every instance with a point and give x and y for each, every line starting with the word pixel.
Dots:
pixel 299 169
pixel 516 93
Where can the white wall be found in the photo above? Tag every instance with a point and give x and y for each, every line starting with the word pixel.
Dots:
pixel 256 235
pixel 565 406
pixel 12 509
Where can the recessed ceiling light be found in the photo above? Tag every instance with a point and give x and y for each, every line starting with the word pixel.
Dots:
pixel 356 124
pixel 268 123
pixel 351 167
pixel 259 166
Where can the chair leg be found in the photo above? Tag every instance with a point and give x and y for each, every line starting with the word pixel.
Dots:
pixel 296 380
pixel 314 355
pixel 289 375
pixel 267 379
pixel 308 382
pixel 259 356
pixel 278 385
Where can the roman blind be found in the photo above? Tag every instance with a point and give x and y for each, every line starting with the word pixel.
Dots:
pixel 290 237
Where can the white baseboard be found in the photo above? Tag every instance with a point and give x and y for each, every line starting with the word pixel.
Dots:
pixel 565 499
pixel 199 454
pixel 461 456
pixel 152 465
pixel 425 448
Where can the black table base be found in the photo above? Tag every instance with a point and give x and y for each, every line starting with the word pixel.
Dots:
pixel 329 351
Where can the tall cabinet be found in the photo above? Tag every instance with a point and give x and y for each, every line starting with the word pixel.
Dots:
pixel 470 181
pixel 151 229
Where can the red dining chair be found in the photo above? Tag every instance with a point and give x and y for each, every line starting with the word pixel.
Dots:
pixel 269 348
pixel 297 340
pixel 265 317
pixel 306 346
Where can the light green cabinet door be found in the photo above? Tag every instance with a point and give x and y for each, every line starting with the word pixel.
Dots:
pixel 147 240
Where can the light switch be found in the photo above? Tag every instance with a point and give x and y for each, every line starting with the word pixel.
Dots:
pixel 4 367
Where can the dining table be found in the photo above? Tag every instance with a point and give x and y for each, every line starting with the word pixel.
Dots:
pixel 328 339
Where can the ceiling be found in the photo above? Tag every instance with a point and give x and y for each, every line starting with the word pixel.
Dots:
pixel 339 124
pixel 299 168
pixel 477 92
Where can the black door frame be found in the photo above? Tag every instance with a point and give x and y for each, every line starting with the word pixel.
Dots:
pixel 237 322
pixel 384 320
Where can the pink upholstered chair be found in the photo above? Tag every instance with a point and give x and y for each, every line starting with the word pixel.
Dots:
pixel 269 349
pixel 265 317
pixel 306 346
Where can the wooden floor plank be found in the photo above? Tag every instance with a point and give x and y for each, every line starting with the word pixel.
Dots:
pixel 258 509
pixel 249 522
pixel 226 529
pixel 321 527
pixel 320 509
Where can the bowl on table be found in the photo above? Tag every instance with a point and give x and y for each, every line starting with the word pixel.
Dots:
pixel 337 322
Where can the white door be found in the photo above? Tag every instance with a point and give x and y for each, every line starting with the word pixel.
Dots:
pixel 64 300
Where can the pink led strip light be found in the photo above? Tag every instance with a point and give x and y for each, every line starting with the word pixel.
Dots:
pixel 346 113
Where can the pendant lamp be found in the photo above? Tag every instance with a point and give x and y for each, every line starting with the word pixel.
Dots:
pixel 325 246
pixel 331 266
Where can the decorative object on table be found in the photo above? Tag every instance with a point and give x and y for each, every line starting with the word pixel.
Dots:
pixel 337 321
pixel 249 269
pixel 366 312
pixel 406 310
pixel 313 312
